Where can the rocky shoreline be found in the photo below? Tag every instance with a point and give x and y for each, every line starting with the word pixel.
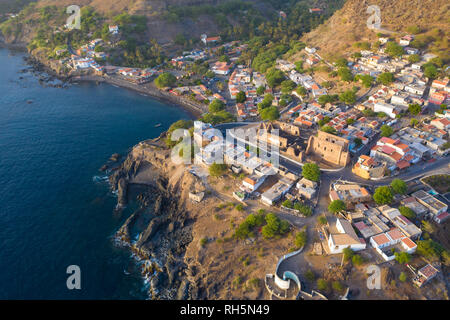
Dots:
pixel 159 231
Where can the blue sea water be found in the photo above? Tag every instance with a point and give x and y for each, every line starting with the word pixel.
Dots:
pixel 53 211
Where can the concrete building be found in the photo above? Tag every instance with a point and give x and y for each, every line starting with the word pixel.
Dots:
pixel 369 168
pixel 277 191
pixel 434 206
pixel 307 188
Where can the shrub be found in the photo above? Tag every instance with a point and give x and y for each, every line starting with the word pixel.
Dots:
pixel 348 254
pixel 217 170
pixel 309 275
pixel 300 239
pixel 203 242
pixel 357 260
pixel 402 277
pixel 322 284
pixel 337 286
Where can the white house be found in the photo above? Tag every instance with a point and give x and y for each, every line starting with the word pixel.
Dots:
pixel 389 109
pixel 253 182
pixel 341 235
pixel 114 29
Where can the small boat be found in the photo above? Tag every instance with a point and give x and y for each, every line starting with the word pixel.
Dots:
pixel 158 125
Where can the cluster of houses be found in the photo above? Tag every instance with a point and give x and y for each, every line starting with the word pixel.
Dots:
pixel 382 228
pixel 248 81
pixel 200 93
pixel 188 58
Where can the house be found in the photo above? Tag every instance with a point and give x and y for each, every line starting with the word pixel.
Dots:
pixel 221 68
pixel 277 191
pixel 415 206
pixel 340 235
pixel 114 29
pixel 315 10
pixel 406 40
pixel 401 222
pixel 441 218
pixel 253 182
pixel 389 242
pixel 442 124
pixel 369 168
pixel 210 40
pixel 307 188
pixel 196 197
pixel 434 206
pixel 284 65
pixel 425 274
pixel 350 194
pixel 310 50
pixel 388 109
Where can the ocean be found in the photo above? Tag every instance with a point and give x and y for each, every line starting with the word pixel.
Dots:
pixel 56 209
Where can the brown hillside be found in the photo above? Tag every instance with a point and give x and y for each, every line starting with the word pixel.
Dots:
pixel 348 25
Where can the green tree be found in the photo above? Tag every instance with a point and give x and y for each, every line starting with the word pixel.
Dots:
pixel 300 239
pixel 216 105
pixel 328 129
pixel 275 226
pixel 358 142
pixel 287 86
pixel 336 206
pixel 348 254
pixel 402 257
pixel 337 286
pixel 407 212
pixel 217 170
pixel 399 186
pixel 311 172
pixel 394 49
pixel 414 58
pixel 260 91
pixel 274 77
pixel 301 91
pixel 386 131
pixel 341 63
pixel 326 98
pixel 429 249
pixel 309 275
pixel 165 80
pixel 383 195
pixel 270 113
pixel 288 204
pixel 345 74
pixel 322 220
pixel 386 78
pixel 348 97
pixel 180 124
pixel 415 109
pixel 241 97
pixel 357 260
pixel 431 72
pixel 414 122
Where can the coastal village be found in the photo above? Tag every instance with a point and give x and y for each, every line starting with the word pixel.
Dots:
pixel 363 174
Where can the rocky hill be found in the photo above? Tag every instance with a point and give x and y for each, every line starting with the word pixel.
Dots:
pixel 428 19
pixel 169 20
